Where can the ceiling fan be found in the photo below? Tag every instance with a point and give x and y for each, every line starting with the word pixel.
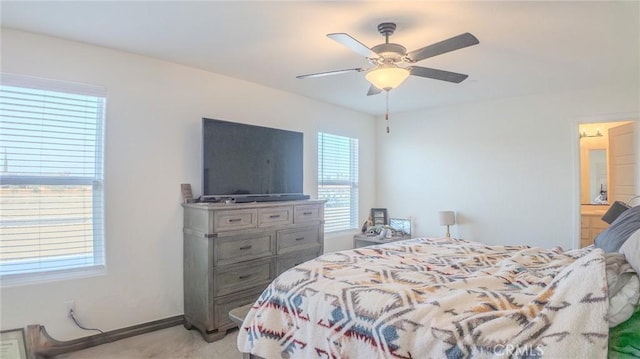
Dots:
pixel 386 58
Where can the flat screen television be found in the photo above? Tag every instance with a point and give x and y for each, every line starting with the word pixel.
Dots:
pixel 247 163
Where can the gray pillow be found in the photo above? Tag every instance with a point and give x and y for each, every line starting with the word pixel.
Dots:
pixel 612 238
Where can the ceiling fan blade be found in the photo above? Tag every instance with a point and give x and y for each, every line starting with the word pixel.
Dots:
pixel 373 90
pixel 328 73
pixel 444 46
pixel 353 44
pixel 437 74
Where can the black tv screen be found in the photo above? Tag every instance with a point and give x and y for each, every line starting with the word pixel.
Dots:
pixel 241 160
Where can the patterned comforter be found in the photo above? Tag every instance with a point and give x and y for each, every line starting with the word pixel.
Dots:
pixel 434 298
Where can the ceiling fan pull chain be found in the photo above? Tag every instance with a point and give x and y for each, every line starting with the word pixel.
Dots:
pixel 386 115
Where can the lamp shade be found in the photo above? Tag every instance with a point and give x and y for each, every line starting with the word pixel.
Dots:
pixel 447 218
pixel 387 76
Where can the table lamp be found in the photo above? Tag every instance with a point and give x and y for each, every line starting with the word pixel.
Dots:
pixel 447 218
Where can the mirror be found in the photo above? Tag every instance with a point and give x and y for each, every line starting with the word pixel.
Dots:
pixel 607 162
pixel 594 169
pixel 597 176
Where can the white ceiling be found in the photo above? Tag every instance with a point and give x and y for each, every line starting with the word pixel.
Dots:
pixel 525 47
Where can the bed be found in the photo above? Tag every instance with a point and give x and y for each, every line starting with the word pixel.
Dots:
pixel 446 298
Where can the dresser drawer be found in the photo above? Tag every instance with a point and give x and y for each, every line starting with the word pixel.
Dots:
pixel 290 240
pixel 275 216
pixel 223 306
pixel 237 277
pixel 304 213
pixel 292 259
pixel 234 249
pixel 232 220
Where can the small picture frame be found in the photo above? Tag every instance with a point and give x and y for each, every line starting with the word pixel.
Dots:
pixel 379 216
pixel 401 225
pixel 12 344
pixel 187 194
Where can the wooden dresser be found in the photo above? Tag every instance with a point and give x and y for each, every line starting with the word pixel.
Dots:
pixel 233 251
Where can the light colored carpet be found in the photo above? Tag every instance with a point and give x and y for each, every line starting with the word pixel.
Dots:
pixel 171 343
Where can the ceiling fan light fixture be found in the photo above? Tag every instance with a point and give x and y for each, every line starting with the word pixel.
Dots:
pixel 387 76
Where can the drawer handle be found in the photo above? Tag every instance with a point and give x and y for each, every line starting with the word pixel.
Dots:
pixel 307 213
pixel 244 276
pixel 299 238
pixel 235 220
pixel 245 247
pixel 274 216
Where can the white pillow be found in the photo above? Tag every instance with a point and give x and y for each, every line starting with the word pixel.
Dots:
pixel 631 250
pixel 623 303
pixel 624 288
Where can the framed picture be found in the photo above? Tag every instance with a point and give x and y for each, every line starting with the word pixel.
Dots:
pixel 12 344
pixel 379 216
pixel 401 225
pixel 187 195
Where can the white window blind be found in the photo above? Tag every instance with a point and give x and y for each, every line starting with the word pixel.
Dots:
pixel 338 181
pixel 51 176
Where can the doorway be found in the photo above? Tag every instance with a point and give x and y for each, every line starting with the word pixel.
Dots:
pixel 607 172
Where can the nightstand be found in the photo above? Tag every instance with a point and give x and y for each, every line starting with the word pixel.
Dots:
pixel 362 240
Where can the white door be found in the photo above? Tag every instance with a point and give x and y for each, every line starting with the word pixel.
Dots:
pixel 622 163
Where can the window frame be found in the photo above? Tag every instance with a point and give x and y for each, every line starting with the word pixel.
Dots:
pixel 96 181
pixel 352 183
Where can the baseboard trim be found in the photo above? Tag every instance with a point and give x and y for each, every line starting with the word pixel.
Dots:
pixel 41 345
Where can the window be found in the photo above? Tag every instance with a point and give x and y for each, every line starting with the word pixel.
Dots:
pixel 338 181
pixel 51 175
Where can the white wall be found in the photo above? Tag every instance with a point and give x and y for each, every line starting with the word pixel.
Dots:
pixel 507 167
pixel 154 111
pixel 637 153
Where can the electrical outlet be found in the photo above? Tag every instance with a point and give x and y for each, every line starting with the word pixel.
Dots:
pixel 70 306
